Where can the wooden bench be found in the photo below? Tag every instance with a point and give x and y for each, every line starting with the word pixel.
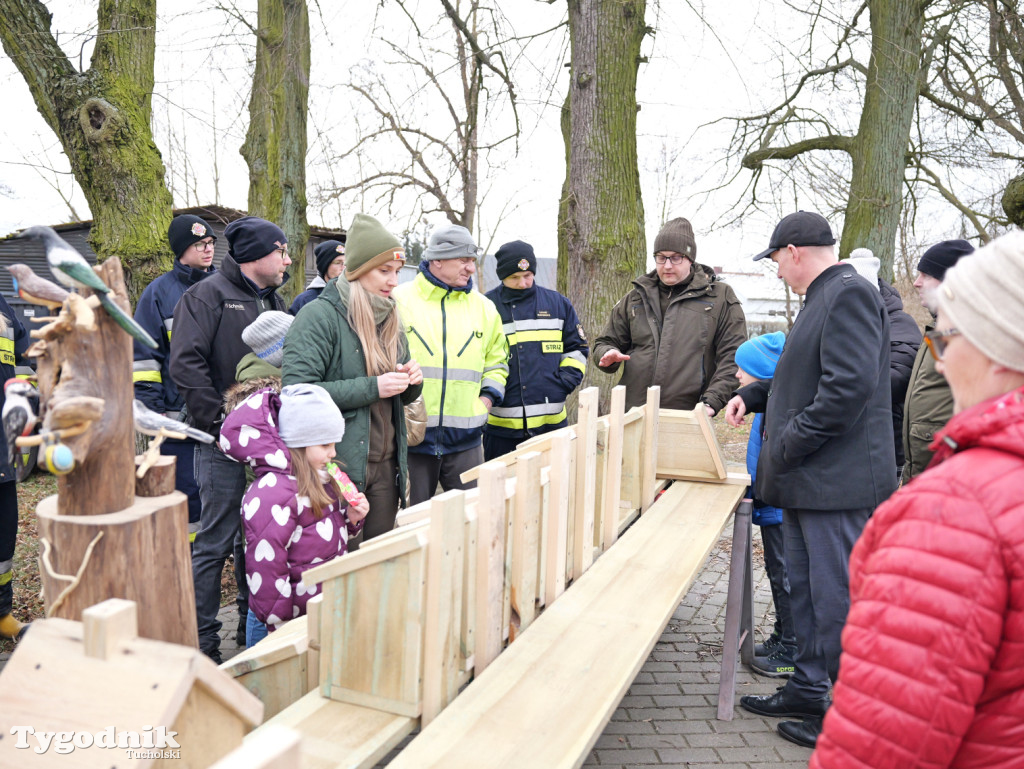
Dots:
pixel 545 700
pixel 400 626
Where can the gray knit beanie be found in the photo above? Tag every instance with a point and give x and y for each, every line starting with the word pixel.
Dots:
pixel 265 336
pixel 450 241
pixel 867 265
pixel 308 417
pixel 983 300
pixel 677 235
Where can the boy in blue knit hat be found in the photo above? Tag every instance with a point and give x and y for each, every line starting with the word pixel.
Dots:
pixel 756 359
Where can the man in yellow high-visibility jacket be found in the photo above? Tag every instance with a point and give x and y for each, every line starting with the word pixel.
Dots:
pixel 456 335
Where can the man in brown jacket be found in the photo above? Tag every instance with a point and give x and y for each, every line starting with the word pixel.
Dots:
pixel 678 329
pixel 929 403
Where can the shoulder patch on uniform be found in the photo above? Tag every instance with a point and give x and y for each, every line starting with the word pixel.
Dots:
pixel 579 330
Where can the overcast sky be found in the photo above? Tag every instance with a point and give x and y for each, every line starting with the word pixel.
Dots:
pixel 694 76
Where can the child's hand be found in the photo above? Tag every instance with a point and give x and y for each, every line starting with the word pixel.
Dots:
pixel 358 507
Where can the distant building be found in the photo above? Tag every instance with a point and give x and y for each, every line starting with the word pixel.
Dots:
pixel 31 252
pixel 765 300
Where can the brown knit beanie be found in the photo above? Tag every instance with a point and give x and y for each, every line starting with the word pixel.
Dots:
pixel 367 245
pixel 983 300
pixel 677 235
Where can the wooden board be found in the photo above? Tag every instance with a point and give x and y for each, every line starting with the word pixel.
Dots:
pixel 275 669
pixel 526 534
pixel 613 469
pixel 585 482
pixel 371 634
pixel 339 735
pixel 491 589
pixel 687 446
pixel 546 699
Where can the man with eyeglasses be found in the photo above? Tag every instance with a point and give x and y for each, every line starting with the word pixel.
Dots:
pixel 929 402
pixel 205 349
pixel 456 335
pixel 192 241
pixel 827 456
pixel 679 328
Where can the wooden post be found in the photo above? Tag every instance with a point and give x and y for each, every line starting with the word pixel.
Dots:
pixel 491 588
pixel 525 541
pixel 649 464
pixel 586 471
pixel 158 480
pixel 558 518
pixel 444 598
pixel 739 621
pixel 107 625
pixel 313 617
pixel 613 467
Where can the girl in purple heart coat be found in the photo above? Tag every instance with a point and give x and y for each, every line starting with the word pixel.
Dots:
pixel 300 510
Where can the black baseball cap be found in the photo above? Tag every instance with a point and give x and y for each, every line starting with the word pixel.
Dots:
pixel 804 228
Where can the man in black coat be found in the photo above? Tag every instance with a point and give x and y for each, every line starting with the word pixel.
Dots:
pixel 827 458
pixel 205 349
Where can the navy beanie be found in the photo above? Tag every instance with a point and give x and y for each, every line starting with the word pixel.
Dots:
pixel 251 238
pixel 759 355
pixel 326 253
pixel 186 230
pixel 514 257
pixel 942 256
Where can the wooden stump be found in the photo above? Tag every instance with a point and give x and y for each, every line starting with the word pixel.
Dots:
pixel 158 480
pixel 143 556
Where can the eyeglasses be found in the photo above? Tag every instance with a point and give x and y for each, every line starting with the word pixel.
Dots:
pixel 676 259
pixel 283 251
pixel 936 341
pixel 202 245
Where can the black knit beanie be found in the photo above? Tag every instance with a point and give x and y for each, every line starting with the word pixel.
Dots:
pixel 251 238
pixel 942 256
pixel 326 253
pixel 514 257
pixel 186 230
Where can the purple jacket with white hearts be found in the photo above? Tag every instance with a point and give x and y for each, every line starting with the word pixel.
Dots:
pixel 282 538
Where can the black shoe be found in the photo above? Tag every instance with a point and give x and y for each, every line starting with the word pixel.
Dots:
pixel 771 643
pixel 778 664
pixel 240 634
pixel 804 733
pixel 778 705
pixel 214 655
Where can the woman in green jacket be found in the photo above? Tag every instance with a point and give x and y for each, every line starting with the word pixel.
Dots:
pixel 350 341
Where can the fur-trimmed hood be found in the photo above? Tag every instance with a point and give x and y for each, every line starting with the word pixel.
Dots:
pixel 239 391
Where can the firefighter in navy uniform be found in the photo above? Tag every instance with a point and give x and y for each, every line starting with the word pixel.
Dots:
pixel 192 242
pixel 548 353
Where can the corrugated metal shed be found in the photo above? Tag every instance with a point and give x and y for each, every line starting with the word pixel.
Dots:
pixel 30 252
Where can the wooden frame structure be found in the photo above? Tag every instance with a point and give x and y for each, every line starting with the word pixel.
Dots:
pixel 403 624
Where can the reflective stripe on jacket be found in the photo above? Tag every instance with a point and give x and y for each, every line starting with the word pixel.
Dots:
pixel 547 360
pixel 155 313
pixel 456 337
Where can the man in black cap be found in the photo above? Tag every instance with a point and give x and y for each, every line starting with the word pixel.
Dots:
pixel 192 242
pixel 827 455
pixel 929 402
pixel 678 329
pixel 330 263
pixel 205 350
pixel 548 353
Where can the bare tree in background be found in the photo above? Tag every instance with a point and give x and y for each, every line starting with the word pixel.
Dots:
pixel 877 150
pixel 275 145
pixel 102 116
pixel 454 101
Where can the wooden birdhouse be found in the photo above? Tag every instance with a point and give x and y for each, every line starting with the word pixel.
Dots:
pixel 95 694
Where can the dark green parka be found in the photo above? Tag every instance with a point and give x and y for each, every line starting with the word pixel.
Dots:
pixel 690 353
pixel 321 348
pixel 929 405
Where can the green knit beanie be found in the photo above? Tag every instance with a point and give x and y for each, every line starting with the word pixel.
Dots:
pixel 367 245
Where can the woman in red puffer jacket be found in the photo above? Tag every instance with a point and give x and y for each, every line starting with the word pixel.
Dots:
pixel 932 670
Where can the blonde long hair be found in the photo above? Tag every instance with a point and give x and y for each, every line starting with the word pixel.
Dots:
pixel 380 344
pixel 309 484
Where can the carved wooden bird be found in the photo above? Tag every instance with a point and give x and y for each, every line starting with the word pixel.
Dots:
pixel 36 290
pixel 20 414
pixel 70 268
pixel 149 422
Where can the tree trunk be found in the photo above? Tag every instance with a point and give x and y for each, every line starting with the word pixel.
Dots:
pixel 102 118
pixel 879 149
pixel 601 218
pixel 275 145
